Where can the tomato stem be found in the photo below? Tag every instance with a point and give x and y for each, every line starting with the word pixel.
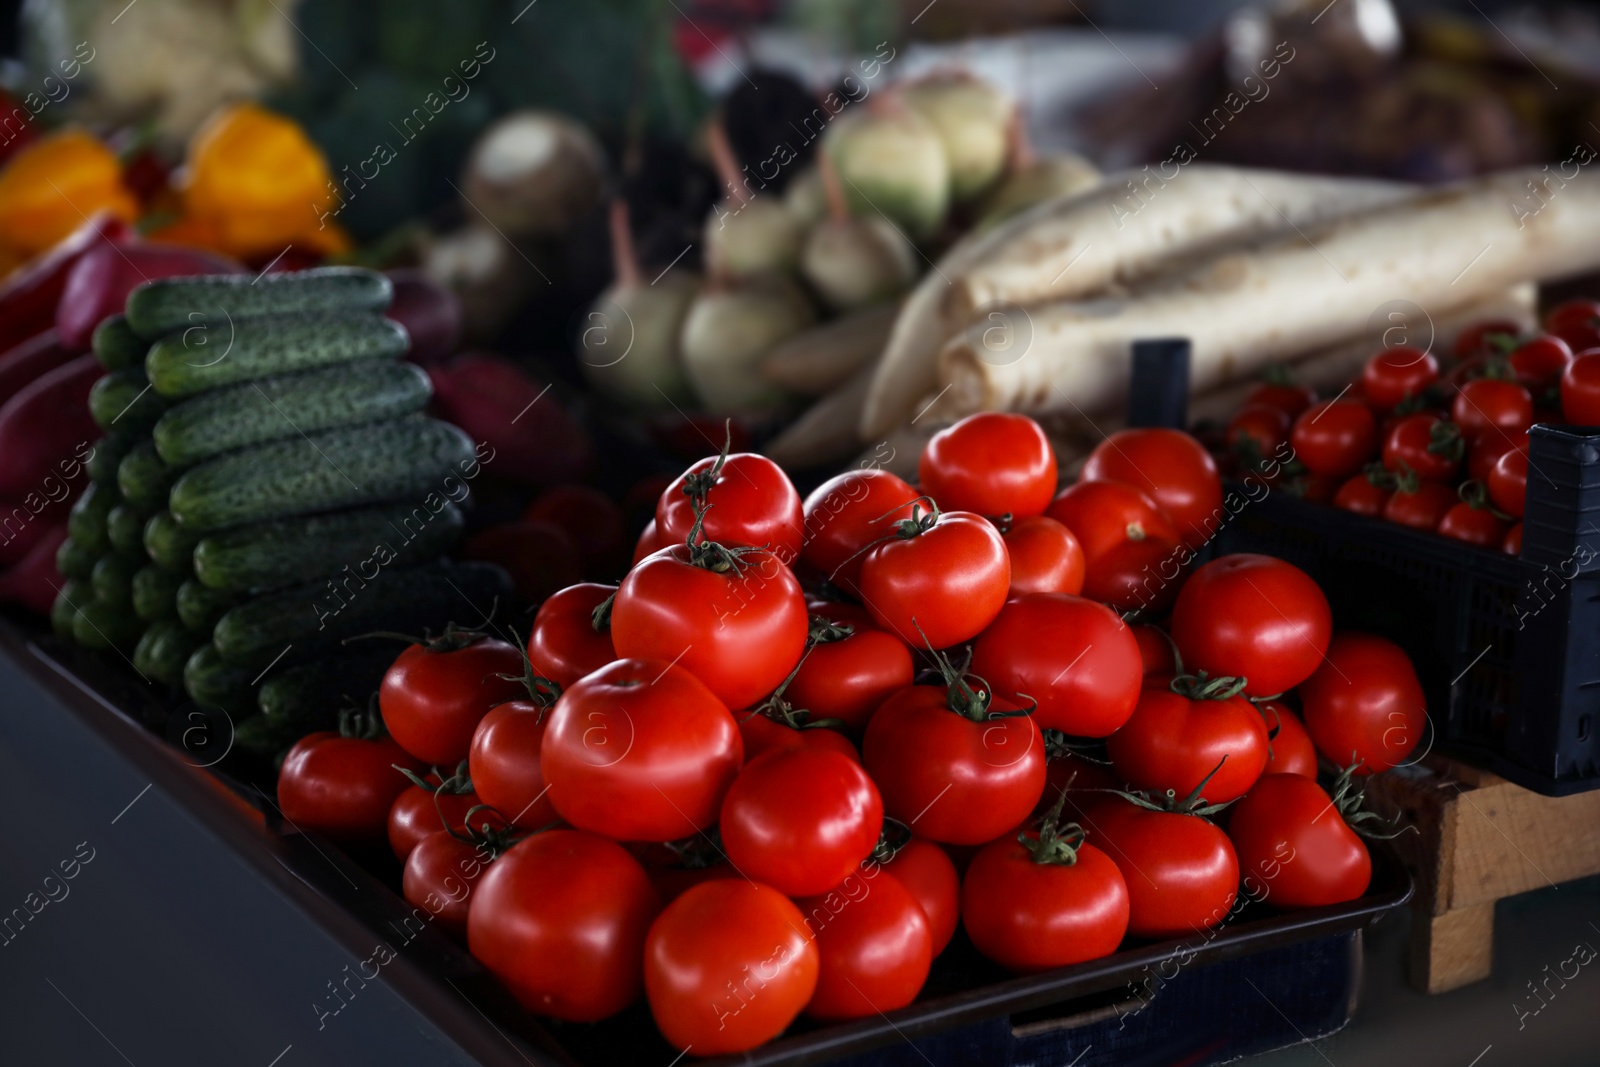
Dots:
pixel 1193 804
pixel 1056 843
pixel 1350 797
pixel 541 690
pixel 1200 687
pixel 600 617
pixel 362 724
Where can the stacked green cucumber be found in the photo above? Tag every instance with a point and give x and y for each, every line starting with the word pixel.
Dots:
pixel 268 488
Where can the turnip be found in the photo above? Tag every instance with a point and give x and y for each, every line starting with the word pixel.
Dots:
pixel 891 162
pixel 731 326
pixel 534 173
pixel 748 232
pixel 853 262
pixel 971 117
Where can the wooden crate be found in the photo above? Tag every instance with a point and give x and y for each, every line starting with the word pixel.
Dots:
pixel 1480 839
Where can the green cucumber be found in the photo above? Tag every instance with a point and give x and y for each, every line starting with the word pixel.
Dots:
pixel 102 626
pixel 168 543
pixel 163 650
pixel 282 552
pixel 86 522
pixel 73 594
pixel 409 459
pixel 315 618
pixel 200 607
pixel 160 307
pixel 212 681
pixel 123 400
pixel 125 531
pixel 75 561
pixel 109 453
pixel 116 346
pixel 311 695
pixel 155 593
pixel 112 580
pixel 196 360
pixel 144 479
pixel 290 404
pixel 260 736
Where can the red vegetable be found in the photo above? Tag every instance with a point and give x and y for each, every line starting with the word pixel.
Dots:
pixel 534 440
pixel 34 580
pixel 45 424
pixel 29 296
pixel 30 360
pixel 99 283
pixel 430 313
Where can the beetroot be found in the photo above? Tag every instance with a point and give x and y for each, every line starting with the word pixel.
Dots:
pixel 29 296
pixel 45 429
pixel 430 313
pixel 99 283
pixel 536 441
pixel 30 360
pixel 34 580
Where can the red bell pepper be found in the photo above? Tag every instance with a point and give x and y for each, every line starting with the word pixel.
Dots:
pixel 100 282
pixel 34 580
pixel 29 361
pixel 535 440
pixel 28 296
pixel 45 430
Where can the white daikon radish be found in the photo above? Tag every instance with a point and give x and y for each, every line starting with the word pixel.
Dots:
pixel 821 358
pixel 826 431
pixel 730 328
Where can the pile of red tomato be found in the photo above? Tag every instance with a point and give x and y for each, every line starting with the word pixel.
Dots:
pixel 1433 448
pixel 802 742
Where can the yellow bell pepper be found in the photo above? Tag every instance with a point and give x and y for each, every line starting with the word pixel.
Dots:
pixel 49 188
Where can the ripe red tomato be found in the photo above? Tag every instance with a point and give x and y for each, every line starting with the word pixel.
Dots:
pixel 940 581
pixel 1426 444
pixel 848 672
pixel 1044 902
pixel 439 877
pixel 1180 869
pixel 566 643
pixel 1292 750
pixel 1364 703
pixel 1480 338
pixel 1290 399
pixel 1419 504
pixel 1077 659
pixel 1252 617
pixel 735 620
pixel 1580 389
pixel 1475 524
pixel 728 966
pixel 1292 840
pixel 749 500
pixel 1397 374
pixel 1363 495
pixel 1490 403
pixel 1155 649
pixel 1171 467
pixel 1513 542
pixel 414 816
pixel 778 724
pixel 953 775
pixel 847 513
pixel 589 517
pixel 992 463
pixel 504 762
pixel 1576 322
pixel 874 947
pixel 651 540
pixel 434 695
pixel 561 920
pixel 1257 431
pixel 927 873
pixel 343 787
pixel 640 750
pixel 1487 450
pixel 1177 740
pixel 1128 543
pixel 1335 437
pixel 1538 363
pixel 1045 557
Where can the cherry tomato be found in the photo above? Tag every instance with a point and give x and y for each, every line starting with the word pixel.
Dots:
pixel 1177 740
pixel 414 816
pixel 566 643
pixel 1426 444
pixel 992 464
pixel 1045 557
pixel 940 583
pixel 1257 431
pixel 1292 750
pixel 1420 505
pixel 440 874
pixel 1040 903
pixel 1252 617
pixel 1473 523
pixel 434 695
pixel 728 966
pixel 640 750
pixel 953 775
pixel 1171 467
pixel 343 787
pixel 735 619
pixel 561 920
pixel 1487 450
pixel 1538 363
pixel 1077 659
pixel 762 733
pixel 847 513
pixel 1396 375
pixel 589 517
pixel 1317 488
pixel 750 502
pixel 848 672
pixel 1513 542
pixel 874 947
pixel 1364 703
pixel 1181 872
pixel 1480 338
pixel 1363 495
pixel 1580 389
pixel 651 541
pixel 1486 403
pixel 1155 649
pixel 504 763
pixel 1291 399
pixel 1576 322
pixel 1293 842
pixel 927 873
pixel 1335 437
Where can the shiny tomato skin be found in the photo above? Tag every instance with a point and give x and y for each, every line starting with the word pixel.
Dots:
pixel 1103 515
pixel 951 779
pixel 1475 526
pixel 929 875
pixel 1538 362
pixel 1031 917
pixel 1172 742
pixel 561 920
pixel 650 541
pixel 848 679
pixel 1364 703
pixel 1397 374
pixel 640 750
pixel 940 587
pixel 739 632
pixel 1155 649
pixel 1575 321
pixel 433 701
pixel 413 817
pixel 1422 509
pixel 1295 846
pixel 847 513
pixel 1410 443
pixel 564 645
pixel 752 503
pixel 1508 482
pixel 343 787
pixel 439 876
pixel 703 949
pixel 1489 403
pixel 1360 495
pixel 1172 468
pixel 1265 428
pixel 874 948
pixel 1512 546
pixel 800 819
pixel 503 763
pixel 1045 557
pixel 993 463
pixel 1181 871
pixel 1580 389
pixel 1254 617
pixel 1475 339
pixel 1077 659
pixel 1292 750
pixel 1487 450
pixel 1335 437
pixel 762 735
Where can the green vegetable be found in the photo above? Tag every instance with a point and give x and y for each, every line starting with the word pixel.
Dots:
pixel 260 736
pixel 109 453
pixel 212 681
pixel 112 580
pixel 404 459
pixel 259 411
pixel 196 360
pixel 116 346
pixel 310 695
pixel 277 553
pixel 99 625
pixel 123 400
pixel 163 650
pixel 86 523
pixel 143 478
pixel 125 531
pixel 212 301
pixel 169 544
pixel 74 593
pixel 155 593
pixel 74 561
pixel 199 607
